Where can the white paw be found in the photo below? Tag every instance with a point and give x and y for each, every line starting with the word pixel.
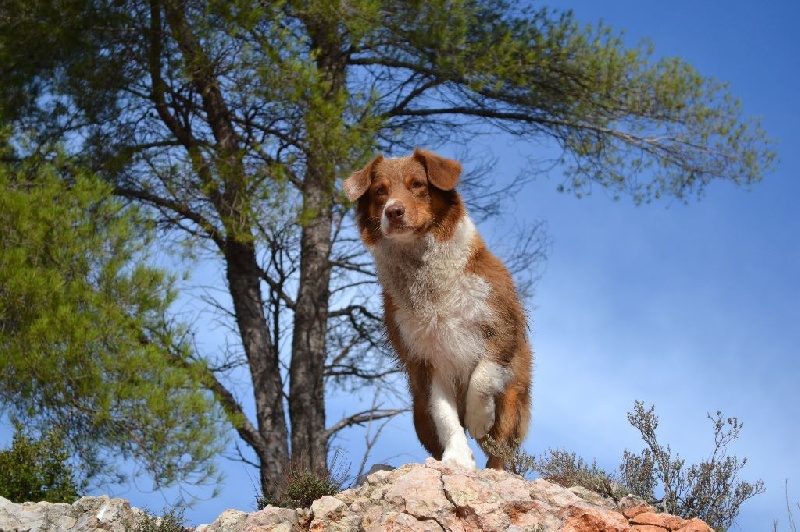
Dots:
pixel 459 454
pixel 480 413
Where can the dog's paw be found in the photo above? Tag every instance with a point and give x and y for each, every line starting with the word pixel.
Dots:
pixel 460 455
pixel 480 414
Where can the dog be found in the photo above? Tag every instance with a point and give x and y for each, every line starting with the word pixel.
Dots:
pixel 451 309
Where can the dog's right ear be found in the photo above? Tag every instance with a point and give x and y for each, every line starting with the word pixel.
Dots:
pixel 357 184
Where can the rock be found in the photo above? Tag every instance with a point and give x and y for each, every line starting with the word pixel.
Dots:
pixel 228 520
pixel 270 518
pixel 632 505
pixel 593 498
pixel 87 514
pixel 416 497
pixel 374 469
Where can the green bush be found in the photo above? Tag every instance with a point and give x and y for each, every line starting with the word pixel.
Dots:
pixel 172 521
pixel 300 487
pixel 37 469
pixel 561 467
pixel 568 469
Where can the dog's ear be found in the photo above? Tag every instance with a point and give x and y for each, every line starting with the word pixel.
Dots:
pixel 358 182
pixel 442 173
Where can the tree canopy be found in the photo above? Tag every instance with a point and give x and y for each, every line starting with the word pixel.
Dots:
pixel 232 121
pixel 88 348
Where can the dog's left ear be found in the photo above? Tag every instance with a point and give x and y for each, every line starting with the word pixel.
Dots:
pixel 442 173
pixel 357 184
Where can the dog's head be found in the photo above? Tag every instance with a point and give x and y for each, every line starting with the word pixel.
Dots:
pixel 404 198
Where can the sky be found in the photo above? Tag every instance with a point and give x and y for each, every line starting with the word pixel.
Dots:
pixel 690 307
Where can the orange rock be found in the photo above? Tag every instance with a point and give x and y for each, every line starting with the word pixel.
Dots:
pixel 632 512
pixel 591 520
pixel 695 525
pixel 664 521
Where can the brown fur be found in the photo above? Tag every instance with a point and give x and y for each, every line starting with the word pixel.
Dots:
pixel 419 192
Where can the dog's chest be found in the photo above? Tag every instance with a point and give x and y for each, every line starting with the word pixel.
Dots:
pixel 440 308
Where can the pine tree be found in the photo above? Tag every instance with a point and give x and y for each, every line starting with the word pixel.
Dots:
pixel 88 349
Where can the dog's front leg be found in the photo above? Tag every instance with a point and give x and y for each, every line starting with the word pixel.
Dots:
pixel 448 427
pixel 488 380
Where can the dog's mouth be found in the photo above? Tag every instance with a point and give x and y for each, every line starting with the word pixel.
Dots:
pixel 396 228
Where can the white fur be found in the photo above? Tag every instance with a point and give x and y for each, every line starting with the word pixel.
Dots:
pixel 384 218
pixel 439 307
pixel 488 380
pixel 448 428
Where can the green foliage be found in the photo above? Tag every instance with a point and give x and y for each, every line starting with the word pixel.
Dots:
pixel 37 469
pixel 87 345
pixel 517 461
pixel 564 468
pixel 626 122
pixel 172 520
pixel 300 487
pixel 568 469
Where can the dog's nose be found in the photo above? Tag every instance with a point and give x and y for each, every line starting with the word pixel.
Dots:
pixel 395 211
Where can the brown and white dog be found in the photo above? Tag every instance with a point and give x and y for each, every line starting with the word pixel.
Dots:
pixel 451 310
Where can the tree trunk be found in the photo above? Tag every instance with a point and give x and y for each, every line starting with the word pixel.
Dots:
pixel 244 283
pixel 227 191
pixel 306 372
pixel 309 341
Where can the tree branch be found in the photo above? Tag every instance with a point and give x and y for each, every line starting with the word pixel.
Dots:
pixel 345 370
pixel 158 83
pixel 248 432
pixel 362 418
pixel 175 206
pixel 350 309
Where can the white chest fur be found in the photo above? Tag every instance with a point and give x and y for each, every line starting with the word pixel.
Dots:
pixel 439 306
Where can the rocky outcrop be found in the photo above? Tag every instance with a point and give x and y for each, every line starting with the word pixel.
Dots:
pixel 435 497
pixel 416 497
pixel 87 514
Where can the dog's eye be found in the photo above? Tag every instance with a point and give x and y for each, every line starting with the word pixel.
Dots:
pixel 381 191
pixel 417 185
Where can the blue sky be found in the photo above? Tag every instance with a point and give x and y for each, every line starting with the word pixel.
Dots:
pixel 693 308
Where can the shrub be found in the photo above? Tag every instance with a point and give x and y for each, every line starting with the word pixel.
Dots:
pixel 300 487
pixel 516 460
pixel 172 521
pixel 561 467
pixel 710 490
pixel 568 469
pixel 37 469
